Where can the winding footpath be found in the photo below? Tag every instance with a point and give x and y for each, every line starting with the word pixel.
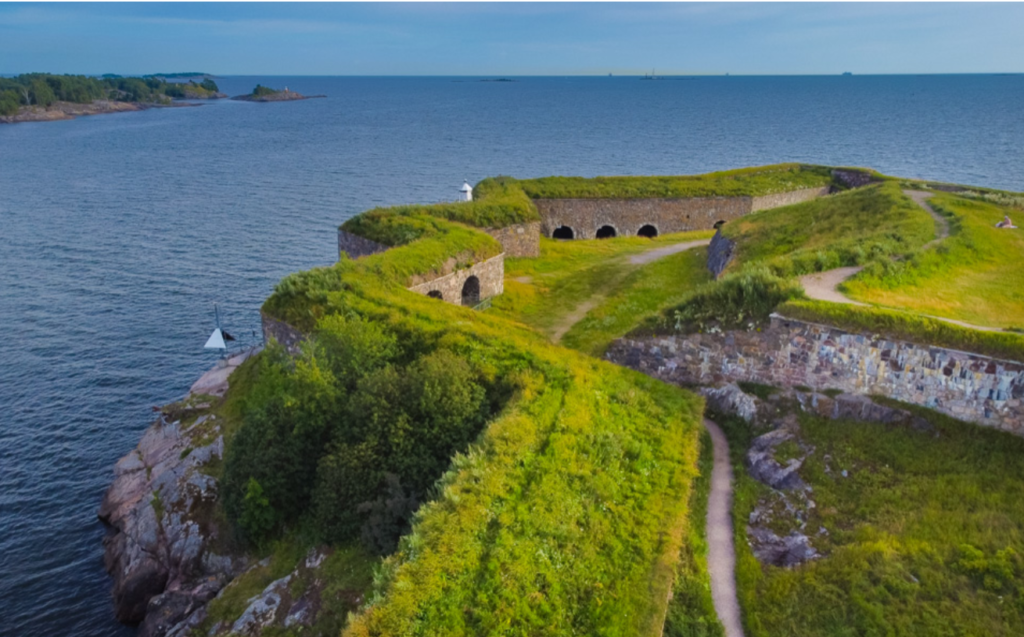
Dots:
pixel 721 552
pixel 824 286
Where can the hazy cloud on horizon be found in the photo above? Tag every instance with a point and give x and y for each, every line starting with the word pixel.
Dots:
pixel 511 38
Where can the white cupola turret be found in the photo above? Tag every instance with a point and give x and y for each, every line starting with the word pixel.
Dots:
pixel 467 191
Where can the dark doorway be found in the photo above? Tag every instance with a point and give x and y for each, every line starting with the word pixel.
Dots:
pixel 605 232
pixel 471 291
pixel 719 223
pixel 648 231
pixel 435 294
pixel 563 232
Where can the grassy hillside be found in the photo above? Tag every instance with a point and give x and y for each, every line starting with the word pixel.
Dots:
pixel 924 533
pixel 975 275
pixel 591 292
pixel 850 228
pixel 565 513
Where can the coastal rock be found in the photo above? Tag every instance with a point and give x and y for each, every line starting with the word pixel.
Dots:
pixel 787 551
pixel 730 399
pixel 158 511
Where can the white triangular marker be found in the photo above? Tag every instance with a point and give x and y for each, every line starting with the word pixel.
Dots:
pixel 216 340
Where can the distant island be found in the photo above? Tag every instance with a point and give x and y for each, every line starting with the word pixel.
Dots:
pixel 266 94
pixel 40 97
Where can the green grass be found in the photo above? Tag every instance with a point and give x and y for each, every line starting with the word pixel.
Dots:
pixel 975 275
pixel 567 516
pixel 850 228
pixel 643 294
pixel 924 535
pixel 906 326
pixel 234 599
pixel 568 273
pixel 756 181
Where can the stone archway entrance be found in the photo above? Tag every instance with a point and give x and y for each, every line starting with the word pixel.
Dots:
pixel 719 224
pixel 435 294
pixel 471 292
pixel 563 232
pixel 648 231
pixel 605 232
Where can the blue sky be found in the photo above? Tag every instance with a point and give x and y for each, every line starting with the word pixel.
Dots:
pixel 512 39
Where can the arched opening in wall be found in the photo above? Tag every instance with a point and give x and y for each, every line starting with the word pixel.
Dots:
pixel 435 294
pixel 719 223
pixel 605 232
pixel 648 231
pixel 471 291
pixel 563 232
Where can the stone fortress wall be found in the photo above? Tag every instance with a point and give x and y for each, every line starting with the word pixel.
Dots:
pixel 355 246
pixel 454 286
pixel 519 240
pixel 628 216
pixel 791 353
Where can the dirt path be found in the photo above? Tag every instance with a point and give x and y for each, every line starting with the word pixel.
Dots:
pixel 580 311
pixel 658 253
pixel 823 286
pixel 920 198
pixel 721 552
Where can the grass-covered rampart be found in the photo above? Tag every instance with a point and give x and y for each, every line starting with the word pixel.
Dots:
pixel 745 182
pixel 562 501
pixel 498 203
pixel 851 228
pixel 975 275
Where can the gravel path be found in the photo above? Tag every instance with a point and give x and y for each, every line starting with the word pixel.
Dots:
pixel 721 553
pixel 658 253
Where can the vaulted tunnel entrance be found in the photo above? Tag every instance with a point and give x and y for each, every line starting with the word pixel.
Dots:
pixel 563 232
pixel 435 294
pixel 605 232
pixel 471 292
pixel 719 223
pixel 648 231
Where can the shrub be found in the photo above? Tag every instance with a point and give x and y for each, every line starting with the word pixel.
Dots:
pixel 743 300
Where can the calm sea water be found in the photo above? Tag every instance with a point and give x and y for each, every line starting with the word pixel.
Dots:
pixel 118 233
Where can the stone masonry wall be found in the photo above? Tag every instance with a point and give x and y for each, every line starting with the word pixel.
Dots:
pixel 491 274
pixel 284 334
pixel 355 246
pixel 967 386
pixel 627 216
pixel 520 240
pixel 780 199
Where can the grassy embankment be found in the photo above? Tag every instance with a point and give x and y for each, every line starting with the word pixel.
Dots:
pixel 975 275
pixel 590 291
pixel 567 514
pixel 924 534
pixel 743 182
pixel 879 228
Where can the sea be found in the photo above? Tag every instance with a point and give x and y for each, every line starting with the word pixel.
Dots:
pixel 119 234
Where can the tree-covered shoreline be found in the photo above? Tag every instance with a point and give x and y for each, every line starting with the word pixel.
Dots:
pixel 45 89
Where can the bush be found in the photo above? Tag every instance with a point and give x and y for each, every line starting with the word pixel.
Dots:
pixel 742 300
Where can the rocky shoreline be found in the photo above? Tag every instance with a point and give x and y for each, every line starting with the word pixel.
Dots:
pixel 162 547
pixel 167 549
pixel 69 110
